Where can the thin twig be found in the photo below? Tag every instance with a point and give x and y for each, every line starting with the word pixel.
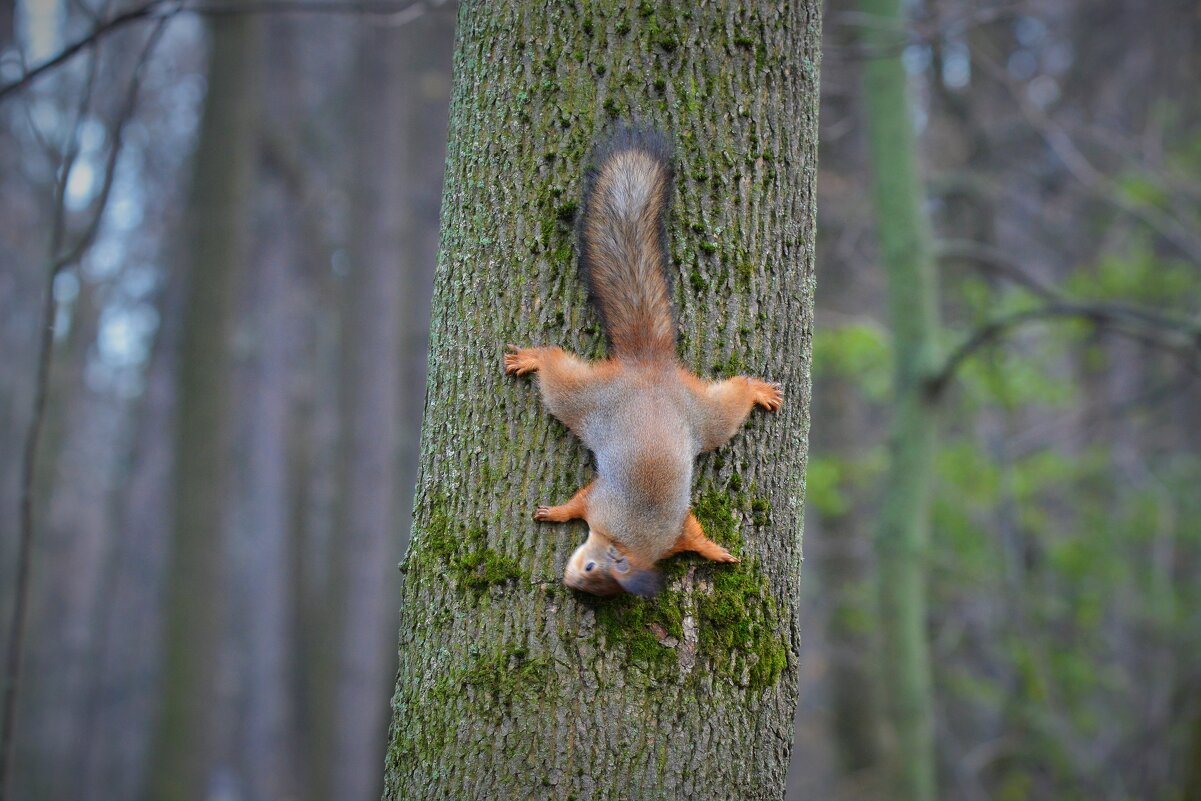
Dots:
pixel 1187 345
pixel 1172 229
pixel 60 261
pixel 67 53
pixel 16 632
pixel 994 260
pixel 402 10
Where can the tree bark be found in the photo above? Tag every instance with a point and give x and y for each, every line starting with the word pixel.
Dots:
pixel 215 252
pixel 903 533
pixel 429 46
pixel 511 686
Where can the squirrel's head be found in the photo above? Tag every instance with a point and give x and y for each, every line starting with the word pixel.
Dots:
pixel 598 567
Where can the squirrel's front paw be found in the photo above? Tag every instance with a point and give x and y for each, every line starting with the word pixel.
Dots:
pixel 769 396
pixel 519 361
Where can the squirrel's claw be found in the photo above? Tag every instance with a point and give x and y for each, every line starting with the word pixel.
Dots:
pixel 725 557
pixel 520 361
pixel 769 396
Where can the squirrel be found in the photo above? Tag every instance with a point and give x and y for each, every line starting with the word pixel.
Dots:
pixel 641 412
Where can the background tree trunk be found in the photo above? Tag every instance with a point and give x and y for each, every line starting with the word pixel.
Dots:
pixel 215 246
pixel 509 684
pixel 127 653
pixel 903 535
pixel 371 314
pixel 428 43
pixel 266 750
pixel 400 158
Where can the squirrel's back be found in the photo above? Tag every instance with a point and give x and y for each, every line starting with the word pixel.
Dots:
pixel 623 242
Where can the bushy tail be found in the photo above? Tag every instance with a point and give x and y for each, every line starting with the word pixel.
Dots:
pixel 623 242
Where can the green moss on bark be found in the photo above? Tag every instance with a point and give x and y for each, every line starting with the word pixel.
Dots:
pixel 500 678
pixel 644 629
pixel 738 620
pixel 715 511
pixel 739 625
pixel 535 84
pixel 461 551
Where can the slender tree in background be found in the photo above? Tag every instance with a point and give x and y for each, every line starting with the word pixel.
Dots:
pixel 76 536
pixel 401 133
pixel 214 248
pixel 603 692
pixel 267 751
pixel 131 620
pixel 368 543
pixel 840 523
pixel 428 46
pixel 903 233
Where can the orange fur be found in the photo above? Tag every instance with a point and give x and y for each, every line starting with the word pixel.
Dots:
pixel 643 414
pixel 693 538
pixel 621 226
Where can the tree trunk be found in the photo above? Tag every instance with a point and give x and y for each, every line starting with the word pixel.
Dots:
pixel 428 45
pixel 856 711
pixel 119 722
pixel 268 754
pixel 267 749
pixel 511 686
pixel 401 135
pixel 368 544
pixel 215 252
pixel 903 534
pixel 73 547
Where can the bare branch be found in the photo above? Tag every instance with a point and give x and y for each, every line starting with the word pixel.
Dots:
pixel 1180 234
pixel 59 261
pixel 997 262
pixel 58 226
pixel 994 260
pixel 70 51
pixel 400 12
pixel 1179 338
pixel 916 32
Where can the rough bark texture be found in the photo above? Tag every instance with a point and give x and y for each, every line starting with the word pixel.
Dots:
pixel 511 686
pixel 215 252
pixel 428 43
pixel 904 531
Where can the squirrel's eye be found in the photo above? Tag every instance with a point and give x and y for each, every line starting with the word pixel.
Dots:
pixel 588 567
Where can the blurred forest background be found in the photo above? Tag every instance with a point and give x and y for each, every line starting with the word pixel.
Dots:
pixel 245 243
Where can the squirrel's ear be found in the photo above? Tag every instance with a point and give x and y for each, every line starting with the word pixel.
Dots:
pixel 643 583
